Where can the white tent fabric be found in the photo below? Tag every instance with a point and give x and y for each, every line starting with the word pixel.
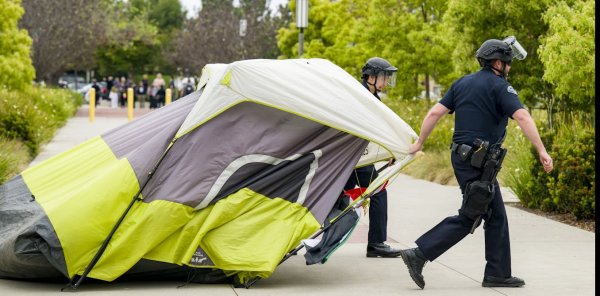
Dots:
pixel 315 89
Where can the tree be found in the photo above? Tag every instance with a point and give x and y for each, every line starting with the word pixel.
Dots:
pixel 333 33
pixel 213 35
pixel 408 34
pixel 348 32
pixel 468 23
pixel 567 52
pixel 140 30
pixel 260 40
pixel 16 71
pixel 132 43
pixel 65 34
pixel 210 37
pixel 166 15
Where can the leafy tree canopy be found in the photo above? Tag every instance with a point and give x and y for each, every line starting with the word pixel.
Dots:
pixel 16 70
pixel 568 50
pixel 438 39
pixel 348 32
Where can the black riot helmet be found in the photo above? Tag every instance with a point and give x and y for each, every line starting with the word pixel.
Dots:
pixel 504 50
pixel 377 67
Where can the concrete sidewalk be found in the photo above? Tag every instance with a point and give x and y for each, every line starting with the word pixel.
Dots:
pixel 553 258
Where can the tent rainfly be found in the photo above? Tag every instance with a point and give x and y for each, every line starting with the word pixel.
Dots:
pixel 216 187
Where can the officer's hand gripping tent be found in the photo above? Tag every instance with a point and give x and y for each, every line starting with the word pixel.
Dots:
pixel 220 184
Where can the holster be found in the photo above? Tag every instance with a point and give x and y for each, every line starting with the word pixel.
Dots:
pixel 479 194
pixel 476 200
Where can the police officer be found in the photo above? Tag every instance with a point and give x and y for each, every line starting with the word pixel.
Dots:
pixel 377 73
pixel 483 102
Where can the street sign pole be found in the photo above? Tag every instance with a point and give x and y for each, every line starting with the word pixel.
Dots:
pixel 301 23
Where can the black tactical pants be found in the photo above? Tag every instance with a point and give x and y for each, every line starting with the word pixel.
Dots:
pixel 453 229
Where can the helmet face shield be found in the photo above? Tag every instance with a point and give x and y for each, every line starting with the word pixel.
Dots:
pixel 518 52
pixel 388 76
pixel 381 71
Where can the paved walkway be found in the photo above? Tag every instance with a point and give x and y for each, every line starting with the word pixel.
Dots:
pixel 553 258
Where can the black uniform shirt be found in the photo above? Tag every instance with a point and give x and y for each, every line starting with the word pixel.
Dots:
pixel 483 101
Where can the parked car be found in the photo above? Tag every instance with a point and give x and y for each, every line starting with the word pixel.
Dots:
pixel 71 81
pixel 84 91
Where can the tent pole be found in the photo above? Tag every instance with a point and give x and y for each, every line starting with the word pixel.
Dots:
pixel 76 281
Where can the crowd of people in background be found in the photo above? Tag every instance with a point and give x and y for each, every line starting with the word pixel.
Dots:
pixel 114 90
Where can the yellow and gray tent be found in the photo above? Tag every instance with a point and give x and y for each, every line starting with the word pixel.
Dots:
pixel 223 182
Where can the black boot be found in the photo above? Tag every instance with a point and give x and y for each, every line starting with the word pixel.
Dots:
pixel 414 260
pixel 492 281
pixel 381 250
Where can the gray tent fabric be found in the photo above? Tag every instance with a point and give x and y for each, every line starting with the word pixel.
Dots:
pixel 138 140
pixel 281 134
pixel 29 247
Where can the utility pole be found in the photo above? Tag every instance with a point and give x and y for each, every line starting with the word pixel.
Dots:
pixel 301 23
pixel 243 28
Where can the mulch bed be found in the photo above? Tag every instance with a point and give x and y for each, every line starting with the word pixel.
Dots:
pixel 570 219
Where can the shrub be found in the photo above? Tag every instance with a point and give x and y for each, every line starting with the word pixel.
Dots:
pixel 20 120
pixel 33 115
pixel 58 104
pixel 569 188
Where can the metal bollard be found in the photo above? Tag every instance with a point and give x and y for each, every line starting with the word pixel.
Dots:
pixel 129 104
pixel 92 102
pixel 168 97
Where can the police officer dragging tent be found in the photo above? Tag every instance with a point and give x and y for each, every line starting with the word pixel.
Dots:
pixel 377 73
pixel 482 103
